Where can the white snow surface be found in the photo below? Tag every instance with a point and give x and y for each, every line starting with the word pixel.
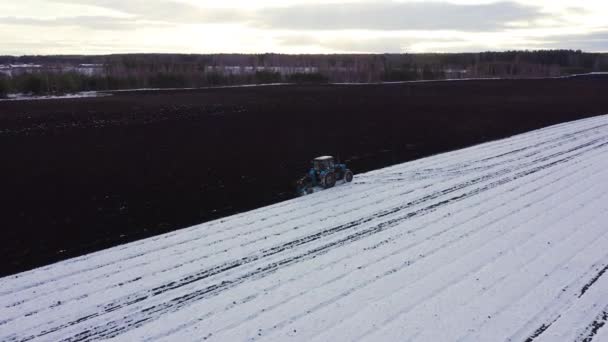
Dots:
pixel 504 241
pixel 26 97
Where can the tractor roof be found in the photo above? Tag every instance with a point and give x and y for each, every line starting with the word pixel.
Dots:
pixel 324 158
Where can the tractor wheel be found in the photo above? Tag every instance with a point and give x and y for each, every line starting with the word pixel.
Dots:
pixel 329 180
pixel 348 176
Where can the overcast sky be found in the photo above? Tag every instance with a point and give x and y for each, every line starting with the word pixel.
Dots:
pixel 299 26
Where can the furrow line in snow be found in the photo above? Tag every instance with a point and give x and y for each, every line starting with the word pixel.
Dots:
pixel 214 289
pixel 593 328
pixel 135 278
pixel 304 275
pixel 545 269
pixel 458 167
pixel 592 281
pixel 168 246
pixel 442 285
pixel 438 160
pixel 445 245
pixel 551 313
pixel 455 170
pixel 487 289
pixel 409 262
pixel 511 230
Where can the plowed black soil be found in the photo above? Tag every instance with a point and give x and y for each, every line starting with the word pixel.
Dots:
pixel 80 175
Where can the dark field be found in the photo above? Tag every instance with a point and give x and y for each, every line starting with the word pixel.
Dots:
pixel 80 175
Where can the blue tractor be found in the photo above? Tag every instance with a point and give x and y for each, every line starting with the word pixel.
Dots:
pixel 323 174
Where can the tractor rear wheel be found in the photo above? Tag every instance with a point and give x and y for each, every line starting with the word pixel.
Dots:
pixel 348 176
pixel 329 180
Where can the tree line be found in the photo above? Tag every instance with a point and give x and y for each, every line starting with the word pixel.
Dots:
pixel 52 83
pixel 180 70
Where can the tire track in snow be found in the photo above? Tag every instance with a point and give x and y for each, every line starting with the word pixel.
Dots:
pixel 580 131
pixel 334 236
pixel 409 263
pixel 592 281
pixel 428 253
pixel 547 274
pixel 197 295
pixel 79 259
pixel 593 328
pixel 552 314
pixel 443 287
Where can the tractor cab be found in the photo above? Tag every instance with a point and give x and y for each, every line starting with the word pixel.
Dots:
pixel 324 163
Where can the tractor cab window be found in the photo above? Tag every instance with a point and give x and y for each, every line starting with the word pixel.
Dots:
pixel 317 165
pixel 323 164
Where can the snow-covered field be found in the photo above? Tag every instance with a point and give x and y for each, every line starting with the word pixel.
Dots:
pixel 503 241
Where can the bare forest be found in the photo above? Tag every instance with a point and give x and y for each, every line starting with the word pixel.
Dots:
pixel 40 75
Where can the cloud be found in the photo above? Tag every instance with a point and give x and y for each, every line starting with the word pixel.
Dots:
pixel 378 15
pixel 391 16
pixel 135 14
pixel 369 45
pixel 349 44
pixel 577 10
pixel 367 26
pixel 364 45
pixel 92 22
pixel 297 40
pixel 596 41
pixel 164 11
